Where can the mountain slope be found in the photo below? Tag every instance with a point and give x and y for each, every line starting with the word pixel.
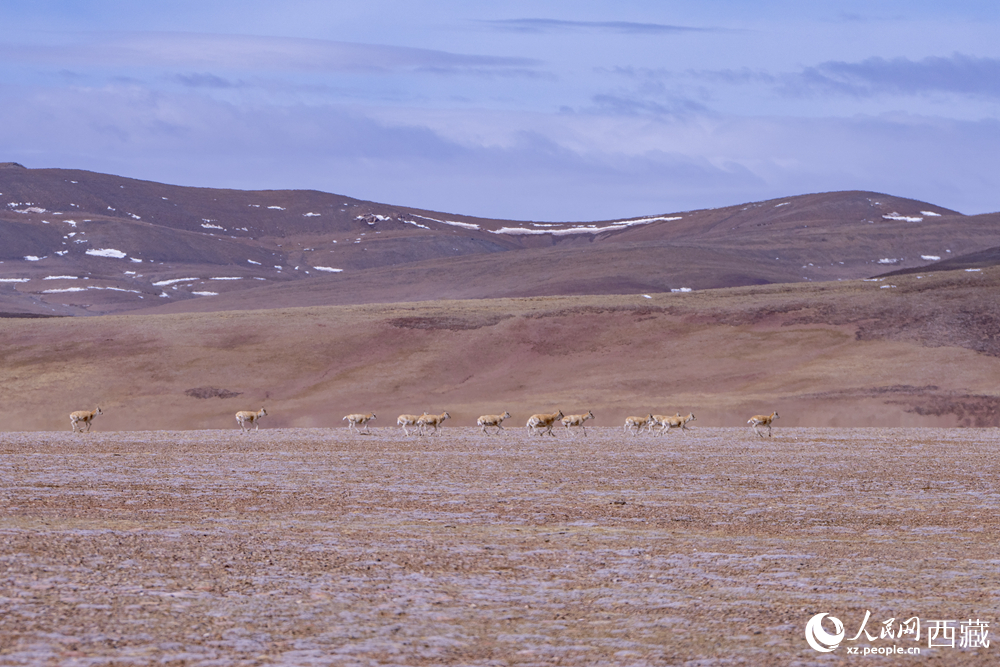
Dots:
pixel 77 242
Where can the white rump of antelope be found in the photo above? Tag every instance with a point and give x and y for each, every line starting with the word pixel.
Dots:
pixel 763 420
pixel 493 420
pixel 577 420
pixel 666 423
pixel 431 420
pixel 637 423
pixel 83 417
pixel 247 418
pixel 355 419
pixel 543 421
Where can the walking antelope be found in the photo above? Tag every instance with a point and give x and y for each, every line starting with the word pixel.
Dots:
pixel 763 420
pixel 409 420
pixel 544 421
pixel 246 418
pixel 637 423
pixel 355 419
pixel 431 420
pixel 493 420
pixel 85 416
pixel 577 420
pixel 661 421
pixel 667 423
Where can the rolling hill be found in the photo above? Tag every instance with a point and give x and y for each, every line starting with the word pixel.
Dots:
pixel 82 243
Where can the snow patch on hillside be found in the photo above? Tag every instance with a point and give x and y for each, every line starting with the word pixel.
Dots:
pixel 107 252
pixel 175 280
pixel 454 223
pixel 584 229
pixel 902 218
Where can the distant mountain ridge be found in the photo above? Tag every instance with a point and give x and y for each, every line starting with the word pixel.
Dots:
pixel 78 242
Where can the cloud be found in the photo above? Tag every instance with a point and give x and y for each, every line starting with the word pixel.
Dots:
pixel 205 81
pixel 631 106
pixel 877 76
pixel 241 52
pixel 622 27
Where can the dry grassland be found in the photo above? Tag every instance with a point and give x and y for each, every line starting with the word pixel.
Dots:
pixel 319 547
pixel 923 353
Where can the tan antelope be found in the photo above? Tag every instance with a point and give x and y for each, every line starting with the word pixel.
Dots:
pixel 247 418
pixel 577 420
pixel 355 419
pixel 493 420
pixel 544 421
pixel 83 416
pixel 637 423
pixel 661 421
pixel 431 420
pixel 667 423
pixel 409 420
pixel 763 420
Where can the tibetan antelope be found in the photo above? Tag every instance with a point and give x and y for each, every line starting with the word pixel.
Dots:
pixel 577 420
pixel 493 420
pixel 84 417
pixel 355 419
pixel 544 421
pixel 431 420
pixel 246 418
pixel 637 423
pixel 667 423
pixel 763 420
pixel 410 420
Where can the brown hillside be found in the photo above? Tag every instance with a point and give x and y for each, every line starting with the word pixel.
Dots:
pixel 910 352
pixel 81 243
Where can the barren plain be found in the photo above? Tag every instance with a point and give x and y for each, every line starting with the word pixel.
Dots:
pixel 321 547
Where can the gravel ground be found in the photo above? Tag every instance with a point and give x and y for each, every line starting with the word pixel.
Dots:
pixel 321 547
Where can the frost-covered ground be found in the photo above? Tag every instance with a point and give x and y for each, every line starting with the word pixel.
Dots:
pixel 318 547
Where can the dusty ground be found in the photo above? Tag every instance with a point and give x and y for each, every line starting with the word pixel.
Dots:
pixel 317 547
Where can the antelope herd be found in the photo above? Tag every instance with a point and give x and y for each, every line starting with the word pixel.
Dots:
pixel 538 424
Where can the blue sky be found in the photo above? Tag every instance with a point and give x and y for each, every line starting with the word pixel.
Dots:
pixel 537 110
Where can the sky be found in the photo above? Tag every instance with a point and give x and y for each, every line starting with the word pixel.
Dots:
pixel 542 110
